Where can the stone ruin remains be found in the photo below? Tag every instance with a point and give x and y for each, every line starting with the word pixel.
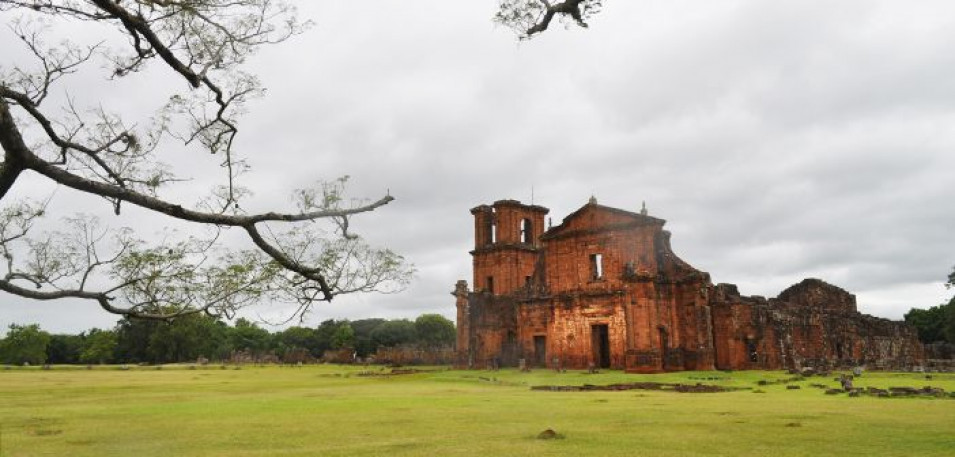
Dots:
pixel 604 289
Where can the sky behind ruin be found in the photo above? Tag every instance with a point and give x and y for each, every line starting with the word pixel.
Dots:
pixel 780 140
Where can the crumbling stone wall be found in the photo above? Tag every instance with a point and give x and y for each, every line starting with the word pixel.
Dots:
pixel 414 355
pixel 342 355
pixel 810 324
pixel 249 357
pixel 492 323
pixel 940 356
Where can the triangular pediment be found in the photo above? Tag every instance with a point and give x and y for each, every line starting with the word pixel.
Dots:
pixel 594 215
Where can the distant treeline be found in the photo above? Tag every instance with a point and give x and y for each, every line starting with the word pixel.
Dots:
pixel 936 324
pixel 193 337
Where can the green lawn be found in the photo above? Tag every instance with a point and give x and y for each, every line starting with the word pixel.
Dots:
pixel 330 410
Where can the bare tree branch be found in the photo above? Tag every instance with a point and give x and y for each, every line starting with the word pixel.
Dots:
pixel 531 17
pixel 95 152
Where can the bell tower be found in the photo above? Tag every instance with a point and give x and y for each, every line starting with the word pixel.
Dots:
pixel 506 243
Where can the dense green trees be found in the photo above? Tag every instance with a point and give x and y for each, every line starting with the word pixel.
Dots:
pixel 394 333
pixel 935 324
pixel 364 344
pixel 296 338
pixel 247 336
pixel 24 344
pixel 99 346
pixel 344 336
pixel 184 339
pixel 191 337
pixel 434 330
pixel 64 349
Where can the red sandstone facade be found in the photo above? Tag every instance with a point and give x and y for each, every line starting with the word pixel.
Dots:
pixel 605 289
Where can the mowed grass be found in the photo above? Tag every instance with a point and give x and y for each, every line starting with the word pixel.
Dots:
pixel 332 411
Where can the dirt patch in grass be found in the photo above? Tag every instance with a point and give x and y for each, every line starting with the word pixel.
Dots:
pixel 550 434
pixel 393 372
pixel 673 387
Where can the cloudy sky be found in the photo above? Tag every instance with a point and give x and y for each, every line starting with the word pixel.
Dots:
pixel 780 140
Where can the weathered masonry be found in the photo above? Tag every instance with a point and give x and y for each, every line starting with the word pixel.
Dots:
pixel 604 289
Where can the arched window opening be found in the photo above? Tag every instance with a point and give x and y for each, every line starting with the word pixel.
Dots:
pixel 526 231
pixel 752 350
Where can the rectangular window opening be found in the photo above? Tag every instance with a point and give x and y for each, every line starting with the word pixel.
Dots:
pixel 490 284
pixel 596 266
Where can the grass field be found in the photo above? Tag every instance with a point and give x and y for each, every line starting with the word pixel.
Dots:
pixel 332 410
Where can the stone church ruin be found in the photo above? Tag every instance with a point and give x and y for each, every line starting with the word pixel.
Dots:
pixel 604 289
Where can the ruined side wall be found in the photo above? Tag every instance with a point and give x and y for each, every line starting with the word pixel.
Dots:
pixel 745 337
pixel 816 326
pixel 940 357
pixel 413 355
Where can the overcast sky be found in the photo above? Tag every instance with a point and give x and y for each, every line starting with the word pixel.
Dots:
pixel 779 140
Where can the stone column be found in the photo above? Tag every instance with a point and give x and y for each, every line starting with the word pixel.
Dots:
pixel 463 357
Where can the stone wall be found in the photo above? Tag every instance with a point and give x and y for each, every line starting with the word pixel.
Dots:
pixel 811 324
pixel 940 357
pixel 414 355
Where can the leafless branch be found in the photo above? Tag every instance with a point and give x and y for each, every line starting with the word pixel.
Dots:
pixel 531 17
pixel 92 151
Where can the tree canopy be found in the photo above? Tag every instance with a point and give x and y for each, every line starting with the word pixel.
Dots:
pixel 935 324
pixel 101 151
pixel 99 347
pixel 394 333
pixel 435 330
pixel 24 344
